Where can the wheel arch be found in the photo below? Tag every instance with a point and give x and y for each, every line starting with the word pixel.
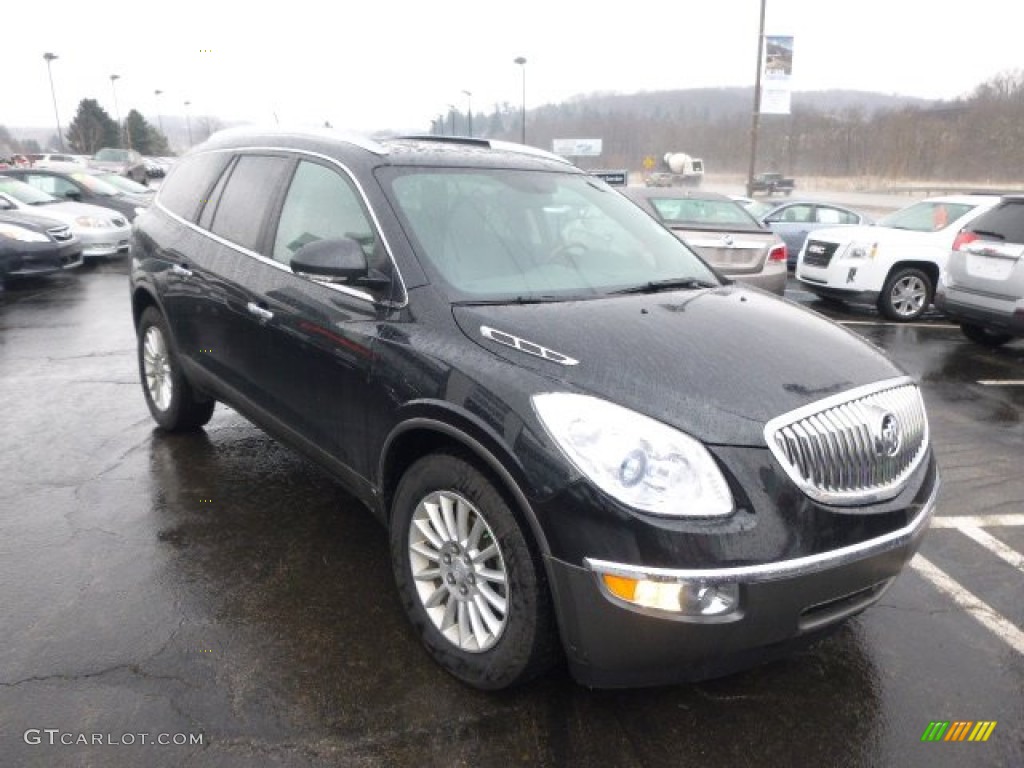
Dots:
pixel 930 268
pixel 423 434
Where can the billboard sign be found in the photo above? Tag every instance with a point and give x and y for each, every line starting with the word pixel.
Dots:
pixel 777 75
pixel 576 147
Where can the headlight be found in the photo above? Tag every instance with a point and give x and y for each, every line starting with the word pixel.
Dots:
pixel 21 234
pixel 639 461
pixel 92 221
pixel 861 250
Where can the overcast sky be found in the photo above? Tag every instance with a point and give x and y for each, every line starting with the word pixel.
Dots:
pixel 366 66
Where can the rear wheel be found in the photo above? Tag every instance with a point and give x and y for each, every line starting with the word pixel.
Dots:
pixel 981 335
pixel 906 294
pixel 469 579
pixel 172 402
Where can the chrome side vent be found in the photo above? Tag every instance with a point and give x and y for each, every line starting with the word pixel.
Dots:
pixel 530 348
pixel 858 447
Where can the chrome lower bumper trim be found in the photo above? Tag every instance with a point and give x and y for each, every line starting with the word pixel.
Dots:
pixel 784 569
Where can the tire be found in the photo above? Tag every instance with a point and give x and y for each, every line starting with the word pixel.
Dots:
pixel 981 335
pixel 906 294
pixel 482 645
pixel 172 401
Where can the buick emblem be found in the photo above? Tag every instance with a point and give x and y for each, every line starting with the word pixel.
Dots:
pixel 727 239
pixel 888 436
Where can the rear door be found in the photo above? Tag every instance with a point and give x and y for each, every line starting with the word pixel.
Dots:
pixel 308 345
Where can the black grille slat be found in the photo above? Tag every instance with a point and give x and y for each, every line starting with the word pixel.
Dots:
pixel 818 253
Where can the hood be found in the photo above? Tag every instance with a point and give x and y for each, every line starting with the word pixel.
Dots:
pixel 35 221
pixel 715 363
pixel 68 212
pixel 882 235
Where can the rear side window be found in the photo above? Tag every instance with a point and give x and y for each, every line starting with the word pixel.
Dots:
pixel 187 186
pixel 248 198
pixel 1005 221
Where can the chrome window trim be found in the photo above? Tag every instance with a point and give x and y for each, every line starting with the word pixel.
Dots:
pixel 348 291
pixel 783 569
pixel 846 498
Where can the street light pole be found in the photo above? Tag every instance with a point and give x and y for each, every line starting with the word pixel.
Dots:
pixel 469 110
pixel 159 112
pixel 117 111
pixel 522 63
pixel 188 124
pixel 755 120
pixel 60 135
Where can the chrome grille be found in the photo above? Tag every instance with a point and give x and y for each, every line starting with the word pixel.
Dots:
pixel 60 234
pixel 854 448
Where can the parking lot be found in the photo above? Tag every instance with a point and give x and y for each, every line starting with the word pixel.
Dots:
pixel 214 599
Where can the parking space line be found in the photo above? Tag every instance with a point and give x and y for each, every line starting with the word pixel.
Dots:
pixel 994 545
pixel 980 610
pixel 941 325
pixel 978 521
pixel 1001 382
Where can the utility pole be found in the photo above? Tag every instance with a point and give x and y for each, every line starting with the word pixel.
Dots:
pixel 60 134
pixel 755 120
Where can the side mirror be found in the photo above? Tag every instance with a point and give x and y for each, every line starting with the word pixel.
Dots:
pixel 336 259
pixel 73 194
pixel 6 205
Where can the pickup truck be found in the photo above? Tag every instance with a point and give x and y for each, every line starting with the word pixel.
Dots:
pixel 770 183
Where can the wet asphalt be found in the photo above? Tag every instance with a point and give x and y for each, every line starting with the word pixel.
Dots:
pixel 219 587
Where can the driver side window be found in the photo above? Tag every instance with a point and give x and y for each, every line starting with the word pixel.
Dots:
pixel 322 204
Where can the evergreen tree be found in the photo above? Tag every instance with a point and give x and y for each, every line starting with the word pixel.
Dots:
pixel 92 129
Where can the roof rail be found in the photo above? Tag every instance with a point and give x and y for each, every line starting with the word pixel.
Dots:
pixel 355 139
pixel 506 146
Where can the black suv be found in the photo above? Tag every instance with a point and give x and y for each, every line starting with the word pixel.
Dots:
pixel 578 435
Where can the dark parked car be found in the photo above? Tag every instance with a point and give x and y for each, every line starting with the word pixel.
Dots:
pixel 982 286
pixel 126 162
pixel 574 432
pixel 84 186
pixel 35 245
pixel 770 183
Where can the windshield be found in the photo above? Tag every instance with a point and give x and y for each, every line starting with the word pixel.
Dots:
pixel 758 209
pixel 25 193
pixel 94 185
pixel 926 216
pixel 684 211
pixel 111 155
pixel 519 235
pixel 123 184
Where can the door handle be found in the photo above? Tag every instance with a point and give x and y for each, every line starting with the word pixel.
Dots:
pixel 263 314
pixel 180 271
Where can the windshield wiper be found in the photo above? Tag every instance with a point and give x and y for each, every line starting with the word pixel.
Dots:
pixel 671 284
pixel 544 299
pixel 988 233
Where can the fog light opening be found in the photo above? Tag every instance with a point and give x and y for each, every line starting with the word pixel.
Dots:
pixel 687 599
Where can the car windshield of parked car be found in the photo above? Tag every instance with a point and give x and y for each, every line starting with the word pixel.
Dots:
pixel 111 155
pixel 25 193
pixel 123 184
pixel 520 235
pixel 95 185
pixel 697 212
pixel 926 216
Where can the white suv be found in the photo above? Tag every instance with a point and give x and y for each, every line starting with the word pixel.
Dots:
pixel 894 264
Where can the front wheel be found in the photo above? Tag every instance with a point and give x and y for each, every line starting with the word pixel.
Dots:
pixel 469 579
pixel 172 402
pixel 981 335
pixel 906 295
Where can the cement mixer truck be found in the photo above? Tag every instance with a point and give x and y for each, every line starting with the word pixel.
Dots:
pixel 677 169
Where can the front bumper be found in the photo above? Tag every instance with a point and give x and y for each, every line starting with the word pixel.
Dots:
pixel 42 259
pixel 104 241
pixel 612 643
